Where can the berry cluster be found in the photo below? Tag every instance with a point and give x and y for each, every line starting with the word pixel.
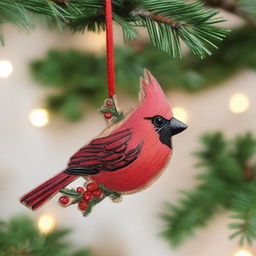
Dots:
pixel 91 192
pixel 84 196
pixel 109 105
pixel 110 111
pixel 87 197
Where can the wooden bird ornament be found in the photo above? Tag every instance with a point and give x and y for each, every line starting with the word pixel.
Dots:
pixel 125 158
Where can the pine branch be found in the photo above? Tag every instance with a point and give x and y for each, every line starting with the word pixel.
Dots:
pixel 158 18
pixel 245 148
pixel 20 237
pixel 80 84
pixel 167 22
pixel 219 186
pixel 170 21
pixel 244 215
pixel 196 208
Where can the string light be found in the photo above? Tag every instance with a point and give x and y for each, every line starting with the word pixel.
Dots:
pixel 6 68
pixel 239 103
pixel 46 224
pixel 243 252
pixel 180 114
pixel 39 117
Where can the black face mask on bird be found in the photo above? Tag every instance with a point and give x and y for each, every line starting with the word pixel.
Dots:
pixel 166 128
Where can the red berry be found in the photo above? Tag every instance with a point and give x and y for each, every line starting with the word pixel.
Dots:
pixel 80 190
pixel 64 200
pixel 97 193
pixel 88 196
pixel 108 115
pixel 82 205
pixel 109 104
pixel 92 186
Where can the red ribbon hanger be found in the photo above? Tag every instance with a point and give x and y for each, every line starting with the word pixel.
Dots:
pixel 110 48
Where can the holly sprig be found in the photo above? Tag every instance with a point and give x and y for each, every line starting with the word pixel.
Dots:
pixel 110 111
pixel 88 197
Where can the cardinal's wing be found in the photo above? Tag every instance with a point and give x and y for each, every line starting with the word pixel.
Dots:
pixel 108 153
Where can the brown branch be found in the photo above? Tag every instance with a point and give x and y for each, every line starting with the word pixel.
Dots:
pixel 61 2
pixel 157 17
pixel 229 6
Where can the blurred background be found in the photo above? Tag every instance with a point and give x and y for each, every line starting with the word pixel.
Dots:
pixel 41 126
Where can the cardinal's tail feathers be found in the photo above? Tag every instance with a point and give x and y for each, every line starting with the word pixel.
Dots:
pixel 40 195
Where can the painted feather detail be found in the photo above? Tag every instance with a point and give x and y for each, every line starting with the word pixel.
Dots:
pixel 108 153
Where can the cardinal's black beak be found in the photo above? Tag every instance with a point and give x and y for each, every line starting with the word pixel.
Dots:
pixel 177 126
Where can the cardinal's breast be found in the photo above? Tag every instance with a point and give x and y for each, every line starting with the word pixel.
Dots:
pixel 148 165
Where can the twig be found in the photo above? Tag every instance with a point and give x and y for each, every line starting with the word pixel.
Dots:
pixel 157 17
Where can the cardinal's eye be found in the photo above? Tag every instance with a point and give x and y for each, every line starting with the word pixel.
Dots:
pixel 158 121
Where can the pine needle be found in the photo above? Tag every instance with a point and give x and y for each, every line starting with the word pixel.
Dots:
pixel 168 22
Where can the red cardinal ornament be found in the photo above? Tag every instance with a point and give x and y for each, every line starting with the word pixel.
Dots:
pixel 125 158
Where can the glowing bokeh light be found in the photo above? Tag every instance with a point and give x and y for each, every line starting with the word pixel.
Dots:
pixel 6 68
pixel 39 117
pixel 243 252
pixel 239 103
pixel 181 114
pixel 46 224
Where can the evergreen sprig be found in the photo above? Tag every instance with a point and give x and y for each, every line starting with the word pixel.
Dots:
pixel 244 215
pixel 223 185
pixel 80 78
pixel 19 236
pixel 167 22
